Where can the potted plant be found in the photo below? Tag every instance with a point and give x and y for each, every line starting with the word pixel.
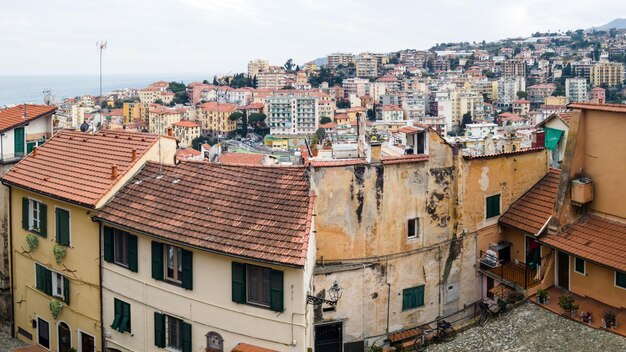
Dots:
pixel 32 240
pixel 566 303
pixel 55 308
pixel 609 319
pixel 59 253
pixel 542 296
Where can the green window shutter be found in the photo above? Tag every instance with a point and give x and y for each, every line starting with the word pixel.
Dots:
pixel 157 260
pixel 131 252
pixel 493 206
pixel 66 290
pixel 39 279
pixel 108 244
pixel 187 279
pixel 419 300
pixel 276 290
pixel 159 329
pixel 410 298
pixel 47 279
pixel 25 204
pixel 118 314
pixel 185 329
pixel 62 227
pixel 125 314
pixel 620 279
pixel 239 282
pixel 43 220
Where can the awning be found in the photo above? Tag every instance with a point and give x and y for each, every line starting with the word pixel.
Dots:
pixel 552 137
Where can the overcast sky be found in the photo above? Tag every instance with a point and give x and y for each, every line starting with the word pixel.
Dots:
pixel 219 36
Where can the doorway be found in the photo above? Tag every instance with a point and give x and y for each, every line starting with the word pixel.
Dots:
pixel 87 342
pixel 563 270
pixel 43 333
pixel 65 337
pixel 329 337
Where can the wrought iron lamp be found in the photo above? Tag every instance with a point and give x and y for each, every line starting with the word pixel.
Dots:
pixel 335 292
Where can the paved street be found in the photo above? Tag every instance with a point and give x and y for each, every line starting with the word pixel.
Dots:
pixel 8 344
pixel 532 328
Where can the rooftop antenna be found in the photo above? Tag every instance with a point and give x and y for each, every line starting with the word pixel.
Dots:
pixel 102 44
pixel 48 98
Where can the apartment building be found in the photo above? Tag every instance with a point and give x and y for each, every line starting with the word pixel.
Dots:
pixel 356 86
pixel 513 67
pixel 257 66
pixel 392 113
pixel 292 114
pixel 366 65
pixel 151 95
pixel 274 78
pixel 576 90
pixel 537 93
pixel 607 73
pixel 214 119
pixel 337 59
pixel 186 131
pixel 508 88
pixel 161 118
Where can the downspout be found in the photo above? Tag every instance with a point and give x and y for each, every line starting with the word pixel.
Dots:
pixel 439 312
pixel 102 333
pixel 12 308
pixel 363 299
pixel 388 292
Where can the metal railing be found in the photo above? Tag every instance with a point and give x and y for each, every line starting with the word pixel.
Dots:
pixel 517 274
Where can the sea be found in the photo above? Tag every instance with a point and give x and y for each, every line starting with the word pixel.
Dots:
pixel 31 88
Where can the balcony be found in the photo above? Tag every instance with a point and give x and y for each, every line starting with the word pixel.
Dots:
pixel 516 274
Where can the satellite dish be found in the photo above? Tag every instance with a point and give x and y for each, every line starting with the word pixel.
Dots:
pixel 48 98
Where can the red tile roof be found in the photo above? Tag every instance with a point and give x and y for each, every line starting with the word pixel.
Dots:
pixel 563 116
pixel 244 347
pixel 595 239
pixel 410 129
pixel 76 166
pixel 497 155
pixel 185 154
pixel 531 211
pixel 260 213
pixel 242 159
pixel 14 117
pixel 186 123
pixel 221 107
pixel 599 107
pixel 402 159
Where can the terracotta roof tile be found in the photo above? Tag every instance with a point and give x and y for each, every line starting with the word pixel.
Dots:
pixel 599 107
pixel 14 117
pixel 595 239
pixel 402 159
pixel 497 155
pixel 242 158
pixel 244 347
pixel 261 213
pixel 532 210
pixel 186 123
pixel 185 154
pixel 76 166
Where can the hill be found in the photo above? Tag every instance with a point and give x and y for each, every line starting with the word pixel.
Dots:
pixel 619 23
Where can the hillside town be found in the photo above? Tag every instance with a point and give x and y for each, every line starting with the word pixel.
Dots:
pixel 358 202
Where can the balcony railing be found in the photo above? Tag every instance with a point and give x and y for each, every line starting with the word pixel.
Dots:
pixel 519 274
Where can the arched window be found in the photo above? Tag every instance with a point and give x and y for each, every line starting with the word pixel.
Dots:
pixel 214 342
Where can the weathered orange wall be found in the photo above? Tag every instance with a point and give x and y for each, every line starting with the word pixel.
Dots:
pixel 598 283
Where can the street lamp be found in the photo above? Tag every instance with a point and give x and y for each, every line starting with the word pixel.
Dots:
pixel 335 292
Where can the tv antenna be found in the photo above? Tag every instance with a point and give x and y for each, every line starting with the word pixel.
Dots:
pixel 102 44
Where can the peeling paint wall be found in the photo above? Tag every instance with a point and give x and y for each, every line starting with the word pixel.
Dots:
pixel 361 233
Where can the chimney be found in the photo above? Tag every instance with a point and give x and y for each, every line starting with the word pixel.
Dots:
pixel 134 155
pixel 170 132
pixel 35 151
pixel 24 115
pixel 376 152
pixel 114 172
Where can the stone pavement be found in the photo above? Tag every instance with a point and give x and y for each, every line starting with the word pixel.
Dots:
pixel 532 328
pixel 7 343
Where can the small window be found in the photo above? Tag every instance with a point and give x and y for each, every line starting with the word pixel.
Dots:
pixel 580 266
pixel 34 219
pixel 620 279
pixel 173 263
pixel 121 320
pixel 120 251
pixel 258 285
pixel 412 297
pixel 413 228
pixel 173 333
pixel 492 206
pixel 57 285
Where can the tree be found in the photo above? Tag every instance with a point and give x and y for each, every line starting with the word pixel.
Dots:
pixel 235 116
pixel 321 134
pixel 371 114
pixel 244 124
pixel 343 104
pixel 522 94
pixel 205 82
pixel 198 141
pixel 467 119
pixel 324 120
pixel 181 97
pixel 159 101
pixel 176 87
pixel 289 65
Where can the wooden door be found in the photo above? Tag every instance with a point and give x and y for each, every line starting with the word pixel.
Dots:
pixel 563 270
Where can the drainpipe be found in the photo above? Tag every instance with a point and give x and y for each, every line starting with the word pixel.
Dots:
pixel 102 332
pixel 12 308
pixel 388 292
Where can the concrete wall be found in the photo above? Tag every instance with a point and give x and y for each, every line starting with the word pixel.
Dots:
pixel 361 222
pixel 80 266
pixel 598 283
pixel 208 307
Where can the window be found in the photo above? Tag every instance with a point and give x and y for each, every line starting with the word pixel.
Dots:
pixel 620 279
pixel 172 264
pixel 52 283
pixel 413 228
pixel 121 321
pixel 258 286
pixel 62 218
pixel 493 206
pixel 580 266
pixel 412 297
pixel 34 216
pixel 43 333
pixel 120 247
pixel 171 333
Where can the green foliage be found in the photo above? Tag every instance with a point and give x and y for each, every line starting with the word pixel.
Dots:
pixel 467 119
pixel 324 120
pixel 55 308
pixel 257 119
pixel 176 87
pixel 59 253
pixel 241 80
pixel 522 94
pixel 371 115
pixel 321 134
pixel 566 302
pixel 289 65
pixel 488 74
pixel 158 101
pixel 181 97
pixel 32 240
pixel 343 104
pixel 198 141
pixel 235 116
